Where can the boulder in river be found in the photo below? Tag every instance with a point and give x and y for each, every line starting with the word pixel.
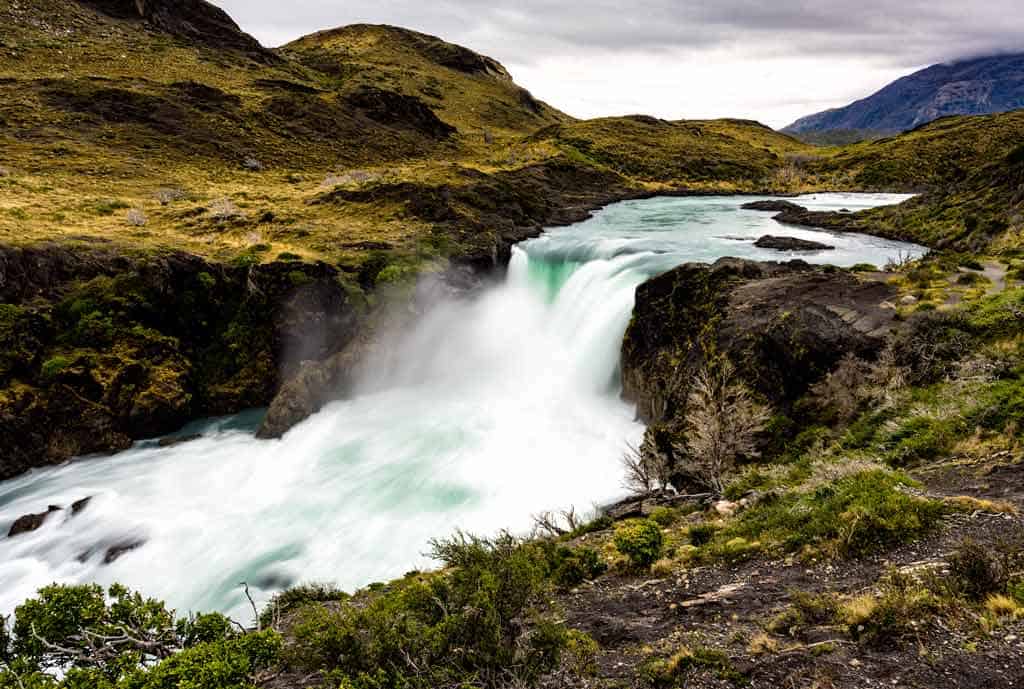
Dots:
pixel 123 547
pixel 79 505
pixel 31 522
pixel 172 440
pixel 772 205
pixel 790 244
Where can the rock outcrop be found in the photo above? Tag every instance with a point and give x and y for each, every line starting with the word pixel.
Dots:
pixel 99 348
pixel 30 522
pixel 829 220
pixel 315 384
pixel 783 325
pixel 195 20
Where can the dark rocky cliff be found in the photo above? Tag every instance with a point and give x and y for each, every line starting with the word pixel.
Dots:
pixel 783 325
pixel 99 347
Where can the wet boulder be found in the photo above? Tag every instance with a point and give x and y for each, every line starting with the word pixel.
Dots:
pixel 790 244
pixel 31 522
pixel 775 205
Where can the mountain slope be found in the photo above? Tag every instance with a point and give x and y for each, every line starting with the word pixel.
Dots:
pixel 973 87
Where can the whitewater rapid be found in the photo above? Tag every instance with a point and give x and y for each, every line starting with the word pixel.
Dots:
pixel 492 410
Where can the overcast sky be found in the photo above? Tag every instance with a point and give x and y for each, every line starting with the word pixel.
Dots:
pixel 771 60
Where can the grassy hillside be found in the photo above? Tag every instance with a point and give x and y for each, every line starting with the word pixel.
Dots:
pixel 943 152
pixel 117 127
pixel 716 154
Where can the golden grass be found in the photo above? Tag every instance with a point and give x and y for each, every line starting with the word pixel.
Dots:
pixel 858 609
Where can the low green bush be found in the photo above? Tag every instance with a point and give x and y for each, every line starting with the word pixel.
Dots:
pixel 677 670
pixel 52 367
pixel 289 600
pixel 640 540
pixel 572 566
pixel 465 625
pixel 976 571
pixel 701 534
pixel 663 516
pixel 887 618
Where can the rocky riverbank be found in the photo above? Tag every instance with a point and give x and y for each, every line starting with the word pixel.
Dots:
pixel 104 345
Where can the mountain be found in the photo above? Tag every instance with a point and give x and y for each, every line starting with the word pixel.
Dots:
pixel 972 87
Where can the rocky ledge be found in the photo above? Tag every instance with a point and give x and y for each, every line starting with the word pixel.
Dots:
pixel 784 326
pixel 100 346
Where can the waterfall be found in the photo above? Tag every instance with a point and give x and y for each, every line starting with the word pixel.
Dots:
pixel 494 409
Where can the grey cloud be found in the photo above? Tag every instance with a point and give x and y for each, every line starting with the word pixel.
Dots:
pixel 911 32
pixel 559 49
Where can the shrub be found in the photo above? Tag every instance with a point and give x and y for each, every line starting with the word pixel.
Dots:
pixel 932 343
pixel 886 618
pixel 98 639
pixel 663 516
pixel 864 268
pixel 806 610
pixel 599 524
pixel 110 207
pixel 296 597
pixel 723 423
pixel 288 256
pixel 676 670
pixel 640 540
pixel 466 624
pixel 52 367
pixel 228 663
pixel 701 534
pixel 976 572
pixel 572 566
pixel 920 438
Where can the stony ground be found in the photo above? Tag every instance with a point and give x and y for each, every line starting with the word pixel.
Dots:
pixel 727 607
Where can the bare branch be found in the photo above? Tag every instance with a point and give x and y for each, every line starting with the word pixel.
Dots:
pixel 723 423
pixel 252 604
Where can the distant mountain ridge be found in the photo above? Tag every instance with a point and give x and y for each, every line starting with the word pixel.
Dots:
pixel 978 86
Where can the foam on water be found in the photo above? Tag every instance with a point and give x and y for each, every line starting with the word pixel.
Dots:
pixel 491 411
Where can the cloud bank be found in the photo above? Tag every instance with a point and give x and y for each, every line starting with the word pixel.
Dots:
pixel 774 61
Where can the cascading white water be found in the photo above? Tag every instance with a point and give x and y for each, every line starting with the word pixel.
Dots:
pixel 494 409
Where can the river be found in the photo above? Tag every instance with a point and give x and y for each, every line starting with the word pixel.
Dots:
pixel 492 410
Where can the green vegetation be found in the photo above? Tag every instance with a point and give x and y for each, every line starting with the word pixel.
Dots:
pixel 483 620
pixel 71 637
pixel 640 540
pixel 462 625
pixel 854 515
